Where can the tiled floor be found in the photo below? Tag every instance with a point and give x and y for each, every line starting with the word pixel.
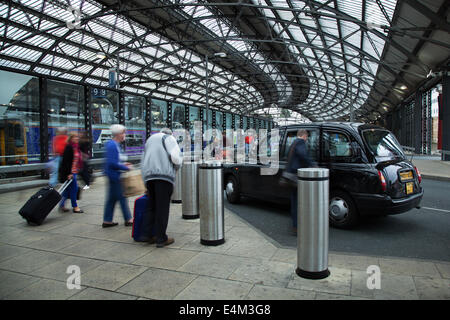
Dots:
pixel 34 262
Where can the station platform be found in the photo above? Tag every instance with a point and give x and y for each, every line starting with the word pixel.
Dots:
pixel 248 266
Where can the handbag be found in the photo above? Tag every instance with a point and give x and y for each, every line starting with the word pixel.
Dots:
pixel 288 179
pixel 132 185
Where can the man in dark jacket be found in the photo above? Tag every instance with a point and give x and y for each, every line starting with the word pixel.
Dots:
pixel 298 158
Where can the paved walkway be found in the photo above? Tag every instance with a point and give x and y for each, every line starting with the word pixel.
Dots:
pixel 248 266
pixel 433 169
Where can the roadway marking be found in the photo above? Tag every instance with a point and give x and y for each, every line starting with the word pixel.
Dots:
pixel 447 211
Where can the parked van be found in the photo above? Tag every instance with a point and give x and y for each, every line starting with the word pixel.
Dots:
pixel 369 172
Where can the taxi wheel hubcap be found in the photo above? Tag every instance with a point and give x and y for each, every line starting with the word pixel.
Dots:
pixel 338 208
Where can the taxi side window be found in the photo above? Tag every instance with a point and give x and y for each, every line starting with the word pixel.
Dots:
pixel 336 145
pixel 312 144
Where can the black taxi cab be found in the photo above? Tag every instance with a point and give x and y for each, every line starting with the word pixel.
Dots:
pixel 369 172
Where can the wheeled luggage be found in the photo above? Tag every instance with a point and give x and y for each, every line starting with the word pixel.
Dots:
pixel 37 208
pixel 141 223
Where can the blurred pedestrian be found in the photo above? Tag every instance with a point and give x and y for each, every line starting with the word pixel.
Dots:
pixel 115 163
pixel 161 158
pixel 70 166
pixel 297 158
pixel 58 146
pixel 85 172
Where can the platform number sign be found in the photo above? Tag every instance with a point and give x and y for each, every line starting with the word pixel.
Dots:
pixel 98 93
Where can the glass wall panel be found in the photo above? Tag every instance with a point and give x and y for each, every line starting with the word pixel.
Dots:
pixel 228 120
pixel 135 122
pixel 209 119
pixel 159 115
pixel 105 112
pixel 177 116
pixel 19 119
pixel 252 123
pixel 194 115
pixel 237 122
pixel 245 124
pixel 65 109
pixel 219 120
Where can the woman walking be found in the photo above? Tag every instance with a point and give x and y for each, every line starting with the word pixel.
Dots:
pixel 114 165
pixel 70 166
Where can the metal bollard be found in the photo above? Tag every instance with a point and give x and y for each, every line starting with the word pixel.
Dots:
pixel 210 181
pixel 312 227
pixel 176 196
pixel 189 190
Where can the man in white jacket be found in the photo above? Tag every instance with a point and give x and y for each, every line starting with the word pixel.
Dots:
pixel 161 157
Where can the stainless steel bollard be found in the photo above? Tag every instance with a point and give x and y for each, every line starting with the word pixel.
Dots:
pixel 176 196
pixel 210 182
pixel 312 227
pixel 189 190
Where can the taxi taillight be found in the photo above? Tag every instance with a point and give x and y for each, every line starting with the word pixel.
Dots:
pixel 382 180
pixel 419 176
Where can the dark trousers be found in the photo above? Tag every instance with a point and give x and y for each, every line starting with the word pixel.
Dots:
pixel 70 193
pixel 294 202
pixel 113 195
pixel 159 192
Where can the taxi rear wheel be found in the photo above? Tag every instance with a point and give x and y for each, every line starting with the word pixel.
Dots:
pixel 342 210
pixel 232 190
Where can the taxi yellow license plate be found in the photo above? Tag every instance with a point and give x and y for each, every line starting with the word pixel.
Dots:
pixel 407 175
pixel 409 187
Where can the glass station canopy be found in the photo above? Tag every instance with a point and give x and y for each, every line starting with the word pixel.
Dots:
pixel 316 59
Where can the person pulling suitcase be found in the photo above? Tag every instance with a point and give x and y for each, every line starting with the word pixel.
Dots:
pixel 70 166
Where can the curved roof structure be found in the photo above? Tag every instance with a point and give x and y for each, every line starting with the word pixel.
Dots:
pixel 320 60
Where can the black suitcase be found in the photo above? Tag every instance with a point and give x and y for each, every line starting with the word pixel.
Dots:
pixel 37 208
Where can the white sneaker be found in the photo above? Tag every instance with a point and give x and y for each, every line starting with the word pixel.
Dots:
pixel 86 187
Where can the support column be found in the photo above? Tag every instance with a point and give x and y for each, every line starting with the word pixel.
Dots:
pixel 88 117
pixel 417 143
pixel 445 116
pixel 169 115
pixel 43 124
pixel 148 117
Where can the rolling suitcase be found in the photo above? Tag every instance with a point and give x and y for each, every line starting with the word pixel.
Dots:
pixel 141 222
pixel 37 208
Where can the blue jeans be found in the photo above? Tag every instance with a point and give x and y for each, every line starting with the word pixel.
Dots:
pixel 294 202
pixel 115 194
pixel 70 192
pixel 54 171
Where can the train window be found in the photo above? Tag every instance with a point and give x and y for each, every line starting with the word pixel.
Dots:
pixel 18 135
